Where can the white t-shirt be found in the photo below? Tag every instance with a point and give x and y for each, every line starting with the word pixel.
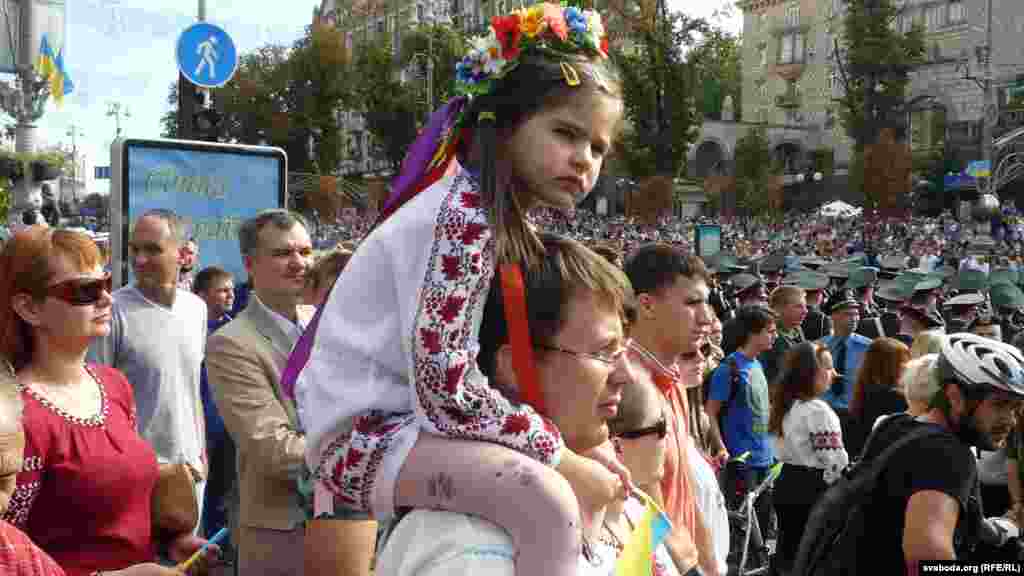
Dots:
pixel 711 503
pixel 160 351
pixel 435 543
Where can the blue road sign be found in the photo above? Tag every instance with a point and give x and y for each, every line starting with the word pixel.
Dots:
pixel 102 173
pixel 206 55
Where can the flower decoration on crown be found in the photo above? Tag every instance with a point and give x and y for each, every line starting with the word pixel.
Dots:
pixel 545 26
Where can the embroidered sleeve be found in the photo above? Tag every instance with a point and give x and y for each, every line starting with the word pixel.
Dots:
pixel 29 481
pixel 453 397
pixel 827 441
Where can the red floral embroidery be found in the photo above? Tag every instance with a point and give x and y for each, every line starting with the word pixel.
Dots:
pixel 431 340
pixel 470 200
pixel 451 308
pixel 472 232
pixel 450 268
pixel 452 378
pixel 516 424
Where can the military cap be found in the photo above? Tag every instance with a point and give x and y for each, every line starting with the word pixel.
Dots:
pixel 1007 296
pixel 969 299
pixel 895 262
pixel 742 282
pixel 774 262
pixel 894 291
pixel 842 299
pixel 806 279
pixel 1003 276
pixel 813 262
pixel 861 277
pixel 970 280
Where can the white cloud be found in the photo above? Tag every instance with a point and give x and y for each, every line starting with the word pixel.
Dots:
pixel 123 51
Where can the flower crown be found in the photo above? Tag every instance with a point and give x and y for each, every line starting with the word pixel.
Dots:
pixel 544 26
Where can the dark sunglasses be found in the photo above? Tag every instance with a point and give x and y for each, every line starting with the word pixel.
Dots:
pixel 81 291
pixel 660 428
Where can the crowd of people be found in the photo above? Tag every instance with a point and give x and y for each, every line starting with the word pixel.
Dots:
pixel 487 381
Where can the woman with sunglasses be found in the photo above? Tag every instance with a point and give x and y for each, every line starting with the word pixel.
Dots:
pixel 84 491
pixel 809 442
pixel 638 433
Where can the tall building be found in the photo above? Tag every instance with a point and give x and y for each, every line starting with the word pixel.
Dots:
pixel 789 74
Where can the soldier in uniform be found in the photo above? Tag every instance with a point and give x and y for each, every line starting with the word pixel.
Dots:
pixel 749 291
pixel 962 309
pixel 891 295
pixel 790 307
pixel 816 325
pixel 1008 303
pixel 862 283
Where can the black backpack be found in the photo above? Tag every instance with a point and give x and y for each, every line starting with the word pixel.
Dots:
pixel 837 522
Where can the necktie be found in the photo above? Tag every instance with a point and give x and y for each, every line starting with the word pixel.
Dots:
pixel 839 361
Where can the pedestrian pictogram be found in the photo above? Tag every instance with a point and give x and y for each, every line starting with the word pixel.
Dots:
pixel 206 55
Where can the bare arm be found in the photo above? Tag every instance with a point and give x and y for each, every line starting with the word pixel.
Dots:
pixel 712 408
pixel 928 528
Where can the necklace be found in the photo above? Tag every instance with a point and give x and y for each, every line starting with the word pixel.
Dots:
pixel 96 420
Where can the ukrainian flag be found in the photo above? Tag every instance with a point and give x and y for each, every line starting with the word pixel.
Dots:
pixel 637 558
pixel 44 63
pixel 60 81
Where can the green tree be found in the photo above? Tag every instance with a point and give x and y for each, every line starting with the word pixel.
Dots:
pixel 875 61
pixel 285 96
pixel 753 169
pixel 387 105
pixel 717 66
pixel 394 110
pixel 658 89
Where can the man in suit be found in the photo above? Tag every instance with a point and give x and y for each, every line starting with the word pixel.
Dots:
pixel 244 362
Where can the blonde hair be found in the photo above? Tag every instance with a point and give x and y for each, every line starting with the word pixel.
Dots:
pixel 11 406
pixel 785 295
pixel 919 382
pixel 927 342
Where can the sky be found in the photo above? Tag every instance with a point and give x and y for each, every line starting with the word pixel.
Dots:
pixel 122 52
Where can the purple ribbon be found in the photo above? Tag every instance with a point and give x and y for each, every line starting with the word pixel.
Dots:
pixel 422 150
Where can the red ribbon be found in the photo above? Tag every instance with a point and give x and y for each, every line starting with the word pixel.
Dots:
pixel 514 296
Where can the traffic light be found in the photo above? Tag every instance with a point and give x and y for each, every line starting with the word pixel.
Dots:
pixel 197 120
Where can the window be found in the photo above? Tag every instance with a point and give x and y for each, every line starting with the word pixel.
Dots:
pixel 763 90
pixel 791 49
pixel 419 13
pixel 957 13
pixel 763 55
pixel 792 15
pixel 501 8
pixel 380 26
pixel 935 17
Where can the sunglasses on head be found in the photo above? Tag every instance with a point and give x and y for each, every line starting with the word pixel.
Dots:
pixel 660 428
pixel 81 291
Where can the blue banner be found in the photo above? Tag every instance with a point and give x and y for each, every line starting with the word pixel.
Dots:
pixel 214 189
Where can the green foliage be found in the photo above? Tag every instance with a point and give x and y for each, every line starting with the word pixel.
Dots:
pixel 874 56
pixel 753 169
pixel 283 96
pixel 658 87
pixel 718 68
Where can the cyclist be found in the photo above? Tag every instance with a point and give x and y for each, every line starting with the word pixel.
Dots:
pixel 926 504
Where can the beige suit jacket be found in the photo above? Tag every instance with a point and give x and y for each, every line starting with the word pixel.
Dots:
pixel 244 361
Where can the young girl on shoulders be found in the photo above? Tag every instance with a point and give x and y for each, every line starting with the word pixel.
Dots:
pixel 396 410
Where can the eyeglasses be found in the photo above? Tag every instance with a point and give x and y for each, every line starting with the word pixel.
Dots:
pixel 609 357
pixel 81 291
pixel 660 428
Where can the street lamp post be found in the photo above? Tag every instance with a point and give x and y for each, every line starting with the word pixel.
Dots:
pixel 115 110
pixel 74 132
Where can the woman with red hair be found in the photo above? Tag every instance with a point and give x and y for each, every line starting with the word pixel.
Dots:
pixel 83 494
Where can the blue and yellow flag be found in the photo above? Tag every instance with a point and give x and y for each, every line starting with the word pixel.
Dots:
pixel 45 62
pixel 637 558
pixel 60 81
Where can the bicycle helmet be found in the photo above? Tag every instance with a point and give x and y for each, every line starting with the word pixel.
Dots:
pixel 981 365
